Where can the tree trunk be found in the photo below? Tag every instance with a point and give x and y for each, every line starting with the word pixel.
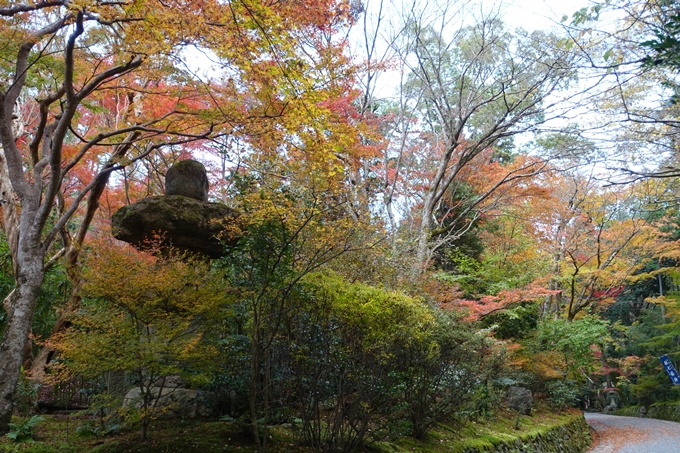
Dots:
pixel 424 255
pixel 10 217
pixel 46 353
pixel 30 279
pixel 145 428
pixel 254 394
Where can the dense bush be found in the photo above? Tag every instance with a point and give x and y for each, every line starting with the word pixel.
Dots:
pixel 344 343
pixel 365 362
pixel 441 372
pixel 563 393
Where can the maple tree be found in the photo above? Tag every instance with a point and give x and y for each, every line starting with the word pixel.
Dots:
pixel 561 241
pixel 573 340
pixel 597 241
pixel 147 313
pixel 505 262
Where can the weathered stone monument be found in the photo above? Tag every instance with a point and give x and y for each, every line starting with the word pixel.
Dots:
pixel 613 398
pixel 183 217
pixel 185 220
pixel 115 384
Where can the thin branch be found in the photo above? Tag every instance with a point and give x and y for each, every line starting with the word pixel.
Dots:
pixel 54 260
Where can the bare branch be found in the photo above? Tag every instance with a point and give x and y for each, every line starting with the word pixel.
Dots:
pixel 44 111
pixel 16 9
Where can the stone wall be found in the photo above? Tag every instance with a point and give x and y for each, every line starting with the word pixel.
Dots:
pixel 572 437
pixel 662 411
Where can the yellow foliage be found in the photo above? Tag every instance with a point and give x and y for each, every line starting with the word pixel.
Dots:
pixel 143 313
pixel 546 365
pixel 379 318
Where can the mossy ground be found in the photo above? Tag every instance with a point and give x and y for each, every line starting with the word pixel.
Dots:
pixel 62 434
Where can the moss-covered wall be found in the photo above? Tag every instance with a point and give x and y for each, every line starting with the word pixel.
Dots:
pixel 542 432
pixel 662 411
pixel 572 437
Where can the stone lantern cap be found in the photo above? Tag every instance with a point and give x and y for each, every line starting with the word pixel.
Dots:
pixel 183 217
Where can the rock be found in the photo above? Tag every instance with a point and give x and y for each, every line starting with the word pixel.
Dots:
pixel 184 223
pixel 173 402
pixel 187 178
pixel 520 399
pixel 642 412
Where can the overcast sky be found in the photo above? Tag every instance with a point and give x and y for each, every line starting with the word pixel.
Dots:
pixel 540 14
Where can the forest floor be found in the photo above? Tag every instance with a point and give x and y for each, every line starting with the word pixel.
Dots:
pixel 74 434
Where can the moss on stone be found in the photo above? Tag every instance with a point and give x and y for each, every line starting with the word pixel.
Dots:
pixel 184 223
pixel 669 410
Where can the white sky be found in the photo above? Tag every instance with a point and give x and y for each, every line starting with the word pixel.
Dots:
pixel 540 14
pixel 530 15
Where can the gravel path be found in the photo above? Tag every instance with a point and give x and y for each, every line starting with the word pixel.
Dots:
pixel 615 434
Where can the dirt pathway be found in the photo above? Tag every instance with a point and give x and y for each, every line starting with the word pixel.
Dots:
pixel 614 434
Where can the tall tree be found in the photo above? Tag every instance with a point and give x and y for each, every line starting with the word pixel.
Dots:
pixel 595 236
pixel 474 86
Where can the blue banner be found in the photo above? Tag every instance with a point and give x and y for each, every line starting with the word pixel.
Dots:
pixel 670 369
